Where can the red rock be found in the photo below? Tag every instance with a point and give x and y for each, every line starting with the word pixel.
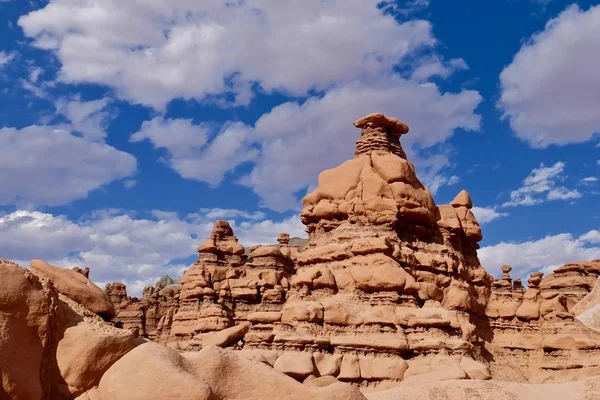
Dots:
pixel 75 286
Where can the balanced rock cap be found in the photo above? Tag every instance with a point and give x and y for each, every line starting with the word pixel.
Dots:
pixel 378 120
pixel 380 134
pixel 463 199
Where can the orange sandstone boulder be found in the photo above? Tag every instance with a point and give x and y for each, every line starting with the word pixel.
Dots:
pixel 27 305
pixel 76 286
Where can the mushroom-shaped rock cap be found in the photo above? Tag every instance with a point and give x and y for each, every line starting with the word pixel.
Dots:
pixel 378 120
pixel 506 268
pixel 221 229
pixel 463 199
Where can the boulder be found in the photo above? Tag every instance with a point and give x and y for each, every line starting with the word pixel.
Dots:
pixel 151 371
pixel 233 378
pixel 225 337
pixel 75 286
pixel 297 364
pixel 26 309
pixel 86 349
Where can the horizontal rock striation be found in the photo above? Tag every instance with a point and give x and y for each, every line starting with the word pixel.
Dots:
pixel 534 332
pixel 387 288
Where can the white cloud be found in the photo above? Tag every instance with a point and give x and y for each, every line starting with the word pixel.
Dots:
pixel 90 118
pixel 120 247
pixel 485 215
pixel 543 254
pixel 434 66
pixel 407 7
pixel 47 165
pixel 591 237
pixel 189 153
pixel 222 213
pixel 129 183
pixel 562 193
pixel 542 185
pixel 453 180
pixel 300 141
pixel 293 143
pixel 550 90
pixel 34 74
pixel 155 50
pixel 37 91
pixel 588 180
pixel 6 58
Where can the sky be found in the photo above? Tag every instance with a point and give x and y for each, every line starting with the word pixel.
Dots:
pixel 128 127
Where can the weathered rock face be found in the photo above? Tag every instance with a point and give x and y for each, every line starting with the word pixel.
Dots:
pixel 75 284
pixel 386 276
pixel 26 308
pixel 152 315
pixel 374 207
pixel 52 347
pixel 534 333
pixel 388 287
pixel 152 371
pixel 386 280
pixel 588 309
pixel 573 281
pixel 222 287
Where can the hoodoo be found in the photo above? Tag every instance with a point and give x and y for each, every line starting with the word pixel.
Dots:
pixel 388 287
pixel 384 289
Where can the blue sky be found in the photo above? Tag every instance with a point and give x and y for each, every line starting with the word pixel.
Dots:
pixel 127 128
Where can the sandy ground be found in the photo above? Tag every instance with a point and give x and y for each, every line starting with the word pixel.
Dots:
pixel 491 390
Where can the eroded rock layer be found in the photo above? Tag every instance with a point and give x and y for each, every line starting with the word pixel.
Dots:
pixel 533 333
pixel 382 291
pixel 388 287
pixel 52 345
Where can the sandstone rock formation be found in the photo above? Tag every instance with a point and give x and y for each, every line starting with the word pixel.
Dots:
pixel 52 347
pixel 533 332
pixel 152 315
pixel 490 390
pixel 76 285
pixel 383 289
pixel 152 371
pixel 588 309
pixel 387 290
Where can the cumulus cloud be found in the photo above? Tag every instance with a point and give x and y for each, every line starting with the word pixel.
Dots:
pixel 542 184
pixel 485 215
pixel 118 246
pixel 434 66
pixel 293 143
pixel 89 118
pixel 544 254
pixel 48 165
pixel 156 50
pixel 550 90
pixel 298 141
pixel 191 154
